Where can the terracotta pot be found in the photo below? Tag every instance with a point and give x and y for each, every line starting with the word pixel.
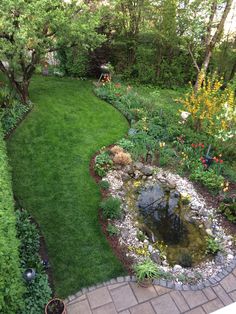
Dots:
pixel 59 307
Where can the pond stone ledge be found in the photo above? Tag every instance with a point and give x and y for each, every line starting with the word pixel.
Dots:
pixel 122 280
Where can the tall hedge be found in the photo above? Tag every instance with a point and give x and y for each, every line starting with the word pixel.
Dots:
pixel 11 282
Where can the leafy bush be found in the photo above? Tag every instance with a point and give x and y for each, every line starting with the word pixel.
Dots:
pixel 185 258
pixel 38 291
pixel 112 230
pixel 212 109
pixel 228 208
pixel 28 235
pixel 213 246
pixel 103 163
pixel 126 144
pixel 111 208
pixel 10 116
pixel 208 178
pixel 104 184
pixel 146 270
pixel 11 284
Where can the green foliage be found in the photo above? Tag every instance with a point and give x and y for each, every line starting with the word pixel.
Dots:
pixel 37 295
pixel 103 163
pixel 185 259
pixel 41 27
pixel 112 230
pixel 146 270
pixel 208 178
pixel 111 208
pixel 104 185
pixel 28 235
pixel 10 116
pixel 38 291
pixel 73 62
pixel 11 284
pixel 228 208
pixel 213 246
pixel 126 144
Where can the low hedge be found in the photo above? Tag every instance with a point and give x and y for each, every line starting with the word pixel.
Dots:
pixel 11 282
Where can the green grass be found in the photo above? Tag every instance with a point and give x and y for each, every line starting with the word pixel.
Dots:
pixel 50 154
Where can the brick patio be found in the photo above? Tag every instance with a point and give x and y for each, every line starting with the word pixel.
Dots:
pixel 128 298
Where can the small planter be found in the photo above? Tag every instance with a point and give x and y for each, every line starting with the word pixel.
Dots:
pixel 145 283
pixel 55 306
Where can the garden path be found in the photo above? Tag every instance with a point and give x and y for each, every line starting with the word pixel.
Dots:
pixel 124 296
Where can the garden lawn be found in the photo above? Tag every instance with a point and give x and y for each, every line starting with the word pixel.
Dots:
pixel 50 153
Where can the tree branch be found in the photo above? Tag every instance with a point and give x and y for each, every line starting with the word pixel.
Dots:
pixel 194 60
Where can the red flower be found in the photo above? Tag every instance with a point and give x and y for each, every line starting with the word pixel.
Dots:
pixel 202 145
pixel 221 161
pixel 193 145
pixel 216 160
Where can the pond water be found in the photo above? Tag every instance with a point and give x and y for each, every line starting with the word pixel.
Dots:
pixel 164 218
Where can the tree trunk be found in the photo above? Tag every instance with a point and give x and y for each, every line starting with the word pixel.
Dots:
pixel 211 40
pixel 22 89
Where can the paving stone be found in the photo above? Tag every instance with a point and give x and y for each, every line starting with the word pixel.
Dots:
pixel 213 305
pixel 222 295
pixel 99 297
pixel 179 301
pixel 161 290
pixel 210 294
pixel 144 308
pixel 143 294
pixel 125 312
pixel 81 298
pixel 229 283
pixel 116 285
pixel 233 295
pixel 106 309
pixel 164 304
pixel 79 307
pixel 197 310
pixel 234 271
pixel 123 297
pixel 194 298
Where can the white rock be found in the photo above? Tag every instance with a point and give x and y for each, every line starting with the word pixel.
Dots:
pixel 177 268
pixel 230 256
pixel 150 248
pixel 209 232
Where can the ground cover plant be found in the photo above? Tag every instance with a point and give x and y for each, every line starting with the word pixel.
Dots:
pixel 50 154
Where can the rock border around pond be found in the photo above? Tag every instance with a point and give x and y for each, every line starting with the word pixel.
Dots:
pixel 207 216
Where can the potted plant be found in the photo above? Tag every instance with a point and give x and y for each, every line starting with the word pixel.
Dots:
pixel 55 306
pixel 145 272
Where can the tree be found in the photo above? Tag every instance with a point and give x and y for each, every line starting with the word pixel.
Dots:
pixel 211 16
pixel 29 29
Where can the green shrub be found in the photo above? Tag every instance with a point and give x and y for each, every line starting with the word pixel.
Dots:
pixel 228 208
pixel 126 144
pixel 112 230
pixel 111 208
pixel 103 163
pixel 208 178
pixel 213 246
pixel 38 291
pixel 185 258
pixel 10 116
pixel 104 185
pixel 146 270
pixel 11 283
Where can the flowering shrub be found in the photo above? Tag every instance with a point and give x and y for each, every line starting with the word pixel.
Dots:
pixel 212 110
